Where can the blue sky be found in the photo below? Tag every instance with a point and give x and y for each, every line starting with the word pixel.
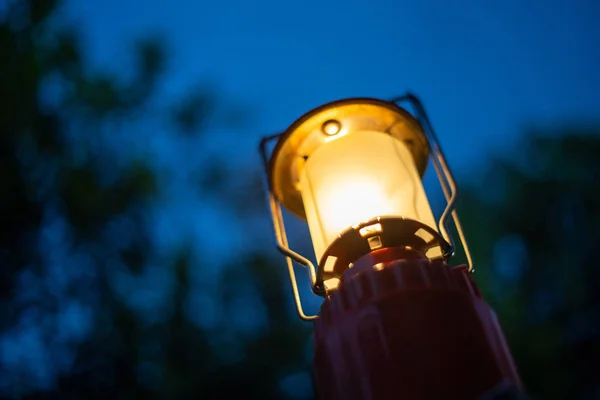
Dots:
pixel 482 68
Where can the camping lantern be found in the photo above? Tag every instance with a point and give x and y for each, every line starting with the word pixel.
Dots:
pixel 352 170
pixel 397 321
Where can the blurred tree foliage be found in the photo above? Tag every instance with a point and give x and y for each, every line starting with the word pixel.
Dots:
pixel 533 224
pixel 75 227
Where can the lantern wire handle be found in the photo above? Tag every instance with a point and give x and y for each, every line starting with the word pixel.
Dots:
pixel 281 241
pixel 445 177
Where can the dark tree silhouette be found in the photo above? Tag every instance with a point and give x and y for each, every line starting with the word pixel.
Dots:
pixel 75 238
pixel 534 228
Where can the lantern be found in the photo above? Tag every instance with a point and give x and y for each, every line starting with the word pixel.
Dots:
pixel 352 169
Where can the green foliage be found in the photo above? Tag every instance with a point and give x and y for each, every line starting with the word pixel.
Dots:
pixel 75 241
pixel 537 250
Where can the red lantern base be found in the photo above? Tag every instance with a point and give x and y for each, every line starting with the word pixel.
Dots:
pixel 402 327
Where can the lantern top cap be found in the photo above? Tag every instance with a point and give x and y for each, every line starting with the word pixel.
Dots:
pixel 328 122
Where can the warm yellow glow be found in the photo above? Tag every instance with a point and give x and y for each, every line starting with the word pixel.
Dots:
pixel 357 177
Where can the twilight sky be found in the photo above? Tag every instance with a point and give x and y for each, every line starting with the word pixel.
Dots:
pixel 482 68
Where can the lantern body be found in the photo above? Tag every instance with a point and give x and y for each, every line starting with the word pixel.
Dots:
pixel 400 326
pixel 357 177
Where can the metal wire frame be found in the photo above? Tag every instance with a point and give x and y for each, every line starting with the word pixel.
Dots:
pixel 281 241
pixel 445 178
pixel 444 175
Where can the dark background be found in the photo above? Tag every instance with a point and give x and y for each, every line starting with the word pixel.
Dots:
pixel 135 248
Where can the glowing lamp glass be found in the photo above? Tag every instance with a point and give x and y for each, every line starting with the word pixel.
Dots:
pixel 358 177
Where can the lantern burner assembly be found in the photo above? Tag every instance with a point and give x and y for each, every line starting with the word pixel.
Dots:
pixel 378 233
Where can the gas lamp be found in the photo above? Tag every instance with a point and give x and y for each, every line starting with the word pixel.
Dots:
pixel 352 170
pixel 397 322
